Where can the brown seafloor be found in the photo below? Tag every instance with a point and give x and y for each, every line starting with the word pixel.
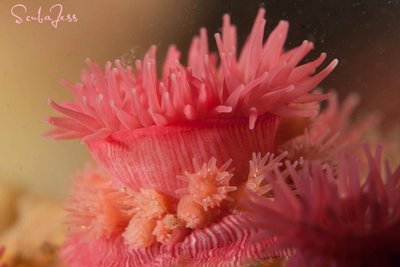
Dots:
pixel 31 228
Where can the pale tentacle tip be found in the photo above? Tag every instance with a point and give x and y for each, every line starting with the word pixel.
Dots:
pixel 335 62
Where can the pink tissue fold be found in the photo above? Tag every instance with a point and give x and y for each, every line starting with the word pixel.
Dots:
pixel 222 244
pixel 154 156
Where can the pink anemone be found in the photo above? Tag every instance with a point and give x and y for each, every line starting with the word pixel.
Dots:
pixel 97 207
pixel 347 220
pixel 146 130
pixel 331 131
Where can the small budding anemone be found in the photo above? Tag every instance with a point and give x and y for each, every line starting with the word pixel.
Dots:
pixel 139 233
pixel 312 146
pixel 192 213
pixel 96 207
pixel 256 181
pixel 151 204
pixel 208 187
pixel 169 229
pixel 150 207
pixel 330 132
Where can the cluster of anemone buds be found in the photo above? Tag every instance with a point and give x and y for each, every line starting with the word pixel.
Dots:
pixel 154 217
pixel 208 187
pixel 151 220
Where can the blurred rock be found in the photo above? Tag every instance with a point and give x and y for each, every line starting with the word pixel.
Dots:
pixel 8 197
pixel 37 233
